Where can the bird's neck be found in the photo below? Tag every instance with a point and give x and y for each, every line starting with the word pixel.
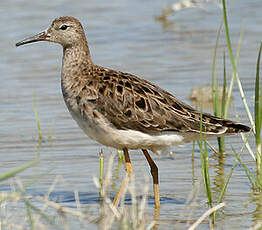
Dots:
pixel 76 64
pixel 76 60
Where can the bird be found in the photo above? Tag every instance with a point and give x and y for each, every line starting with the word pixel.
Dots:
pixel 121 110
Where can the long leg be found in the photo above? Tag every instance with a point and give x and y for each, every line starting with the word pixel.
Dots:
pixel 154 173
pixel 128 164
pixel 129 170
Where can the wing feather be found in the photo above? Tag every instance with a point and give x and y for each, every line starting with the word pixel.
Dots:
pixel 129 102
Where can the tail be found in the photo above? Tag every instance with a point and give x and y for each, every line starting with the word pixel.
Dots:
pixel 213 125
pixel 234 127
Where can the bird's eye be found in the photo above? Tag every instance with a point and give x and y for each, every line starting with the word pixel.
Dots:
pixel 63 27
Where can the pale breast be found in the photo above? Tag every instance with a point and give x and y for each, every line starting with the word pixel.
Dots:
pixel 99 129
pixel 85 112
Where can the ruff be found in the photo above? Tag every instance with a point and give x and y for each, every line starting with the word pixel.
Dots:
pixel 122 110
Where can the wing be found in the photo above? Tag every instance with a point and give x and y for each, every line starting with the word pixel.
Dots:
pixel 129 102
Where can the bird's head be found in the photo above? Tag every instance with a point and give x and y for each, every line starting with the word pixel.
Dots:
pixel 66 31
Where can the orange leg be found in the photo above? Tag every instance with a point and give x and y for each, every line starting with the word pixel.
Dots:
pixel 129 170
pixel 154 173
pixel 129 167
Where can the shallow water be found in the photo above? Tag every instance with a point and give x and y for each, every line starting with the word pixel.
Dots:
pixel 123 35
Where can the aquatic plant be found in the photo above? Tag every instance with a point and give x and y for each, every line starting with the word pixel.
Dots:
pixel 256 181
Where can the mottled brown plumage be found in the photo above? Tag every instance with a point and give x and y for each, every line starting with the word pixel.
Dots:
pixel 122 110
pixel 125 100
pixel 129 102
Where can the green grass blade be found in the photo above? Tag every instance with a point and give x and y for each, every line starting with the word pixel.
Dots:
pixel 205 166
pixel 258 107
pixel 120 156
pixel 223 104
pixel 248 172
pixel 214 75
pixel 30 217
pixel 17 170
pixel 221 140
pixel 250 175
pixel 230 89
pixel 258 117
pixel 234 67
pixel 208 186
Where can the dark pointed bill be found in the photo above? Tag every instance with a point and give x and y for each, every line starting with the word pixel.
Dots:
pixel 38 37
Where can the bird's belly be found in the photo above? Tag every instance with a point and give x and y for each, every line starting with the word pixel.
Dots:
pixel 106 134
pixel 98 128
pixel 94 128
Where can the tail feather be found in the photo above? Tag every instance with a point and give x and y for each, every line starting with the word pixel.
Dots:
pixel 213 125
pixel 234 127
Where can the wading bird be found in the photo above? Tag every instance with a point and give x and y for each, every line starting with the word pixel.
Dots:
pixel 122 110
